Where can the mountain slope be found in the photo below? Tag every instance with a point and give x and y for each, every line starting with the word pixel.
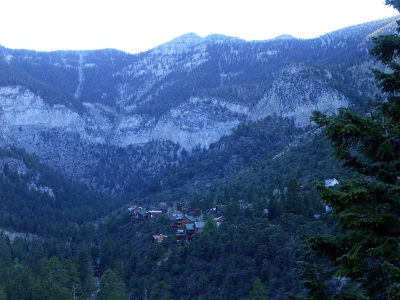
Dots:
pixel 192 91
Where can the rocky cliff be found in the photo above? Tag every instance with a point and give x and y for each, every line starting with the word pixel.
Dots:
pixel 190 91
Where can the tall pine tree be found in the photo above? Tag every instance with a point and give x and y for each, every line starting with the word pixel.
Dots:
pixel 367 207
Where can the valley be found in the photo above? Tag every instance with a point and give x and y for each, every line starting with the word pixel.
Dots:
pixel 214 126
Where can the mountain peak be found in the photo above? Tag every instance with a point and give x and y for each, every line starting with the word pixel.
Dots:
pixel 220 38
pixel 181 44
pixel 284 37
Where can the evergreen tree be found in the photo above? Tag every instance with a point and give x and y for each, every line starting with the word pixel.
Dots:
pixel 160 291
pixel 210 224
pixel 294 202
pixel 52 282
pixel 111 286
pixel 259 291
pixel 367 207
pixel 83 266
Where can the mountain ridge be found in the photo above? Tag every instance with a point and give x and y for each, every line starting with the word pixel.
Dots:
pixel 190 91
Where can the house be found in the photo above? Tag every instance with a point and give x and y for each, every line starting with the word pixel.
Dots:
pixel 192 209
pixel 158 238
pixel 198 226
pixel 219 208
pixel 331 182
pixel 186 233
pixel 219 219
pixel 178 222
pixel 190 230
pixel 141 215
pixel 180 235
pixel 134 208
pixel 154 213
pixel 177 212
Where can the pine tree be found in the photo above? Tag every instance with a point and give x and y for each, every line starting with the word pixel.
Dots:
pixel 259 291
pixel 161 291
pixel 294 202
pixel 210 224
pixel 111 286
pixel 367 207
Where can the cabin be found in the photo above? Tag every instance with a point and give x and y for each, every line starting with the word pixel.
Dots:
pixel 154 213
pixel 158 238
pixel 219 219
pixel 198 226
pixel 190 230
pixel 141 215
pixel 180 235
pixel 178 222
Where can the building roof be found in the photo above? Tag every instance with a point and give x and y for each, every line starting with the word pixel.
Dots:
pixel 158 237
pixel 199 225
pixel 141 212
pixel 175 218
pixel 191 219
pixel 331 182
pixel 189 226
pixel 220 219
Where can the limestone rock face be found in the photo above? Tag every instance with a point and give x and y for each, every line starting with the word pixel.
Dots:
pixel 296 92
pixel 191 91
pixel 20 107
pixel 24 115
pixel 198 122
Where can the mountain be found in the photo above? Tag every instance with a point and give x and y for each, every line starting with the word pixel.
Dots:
pixel 115 121
pixel 212 126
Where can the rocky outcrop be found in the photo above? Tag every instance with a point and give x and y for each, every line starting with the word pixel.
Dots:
pixel 199 122
pixel 20 107
pixel 296 92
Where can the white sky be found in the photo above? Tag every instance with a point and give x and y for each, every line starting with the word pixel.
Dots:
pixel 139 25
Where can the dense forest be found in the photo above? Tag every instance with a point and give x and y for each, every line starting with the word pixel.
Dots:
pixel 85 244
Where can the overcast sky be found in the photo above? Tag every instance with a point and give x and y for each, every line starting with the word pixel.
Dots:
pixel 138 25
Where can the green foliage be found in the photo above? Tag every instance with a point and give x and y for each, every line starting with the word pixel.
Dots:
pixel 366 250
pixel 293 201
pixel 259 291
pixel 210 224
pixel 218 264
pixel 111 287
pixel 162 291
pixel 49 91
pixel 3 295
pixel 27 209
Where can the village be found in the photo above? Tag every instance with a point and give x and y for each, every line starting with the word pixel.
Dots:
pixel 185 225
pixel 182 225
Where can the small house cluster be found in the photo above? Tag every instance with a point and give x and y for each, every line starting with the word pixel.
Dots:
pixel 183 226
pixel 141 214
